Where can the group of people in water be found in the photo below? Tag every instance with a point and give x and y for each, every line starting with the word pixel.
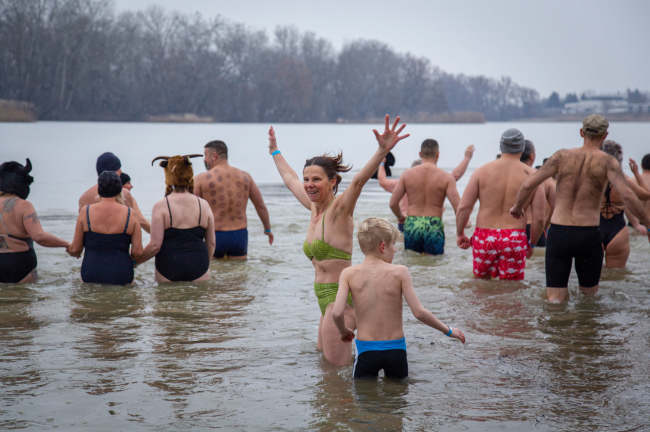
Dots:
pixel 573 205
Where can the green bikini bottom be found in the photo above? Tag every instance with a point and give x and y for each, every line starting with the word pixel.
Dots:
pixel 326 294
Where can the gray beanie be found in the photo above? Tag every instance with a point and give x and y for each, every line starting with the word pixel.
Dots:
pixel 512 141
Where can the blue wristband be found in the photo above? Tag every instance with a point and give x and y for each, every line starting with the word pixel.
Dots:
pixel 267 231
pixel 275 153
pixel 451 330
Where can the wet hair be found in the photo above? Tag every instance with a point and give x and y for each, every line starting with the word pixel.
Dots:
pixel 109 184
pixel 429 148
pixel 332 165
pixel 613 148
pixel 645 162
pixel 125 178
pixel 15 178
pixel 373 231
pixel 219 147
pixel 529 149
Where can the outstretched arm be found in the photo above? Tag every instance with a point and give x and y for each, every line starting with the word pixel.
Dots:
pixel 289 176
pixel 420 312
pixel 470 195
pixel 339 307
pixel 387 184
pixel 462 166
pixel 529 186
pixel 256 197
pixel 386 141
pixel 33 227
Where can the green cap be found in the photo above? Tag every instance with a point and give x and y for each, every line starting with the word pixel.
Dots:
pixel 595 124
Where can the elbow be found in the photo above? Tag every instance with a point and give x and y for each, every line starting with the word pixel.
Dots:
pixel 419 314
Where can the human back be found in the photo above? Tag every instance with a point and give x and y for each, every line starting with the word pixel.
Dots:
pixel 377 297
pixel 581 180
pixel 426 188
pixel 498 184
pixel 226 189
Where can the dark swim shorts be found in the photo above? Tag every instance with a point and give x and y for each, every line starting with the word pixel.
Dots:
pixel 563 244
pixel 231 243
pixel 389 355
pixel 424 234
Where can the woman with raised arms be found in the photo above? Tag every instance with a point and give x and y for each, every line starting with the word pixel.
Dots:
pixel 329 235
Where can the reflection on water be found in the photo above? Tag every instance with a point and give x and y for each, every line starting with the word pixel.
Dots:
pixel 238 352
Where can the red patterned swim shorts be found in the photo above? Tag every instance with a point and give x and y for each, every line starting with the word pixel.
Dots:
pixel 499 252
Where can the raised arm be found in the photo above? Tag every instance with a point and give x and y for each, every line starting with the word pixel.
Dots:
pixel 470 195
pixel 256 197
pixel 529 186
pixel 420 312
pixel 339 307
pixel 632 203
pixel 640 188
pixel 33 227
pixel 289 176
pixel 387 184
pixel 385 143
pixel 462 166
pixel 395 198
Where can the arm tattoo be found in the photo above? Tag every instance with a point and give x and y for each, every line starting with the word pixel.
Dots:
pixel 32 216
pixel 9 205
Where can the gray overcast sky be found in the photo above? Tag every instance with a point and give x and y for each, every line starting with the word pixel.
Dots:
pixel 568 46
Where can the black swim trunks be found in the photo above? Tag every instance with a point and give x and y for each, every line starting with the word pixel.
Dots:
pixel 563 244
pixel 389 355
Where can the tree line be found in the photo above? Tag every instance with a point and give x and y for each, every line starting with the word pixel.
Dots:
pixel 79 59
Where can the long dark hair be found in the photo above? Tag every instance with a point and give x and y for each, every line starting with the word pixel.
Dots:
pixel 332 165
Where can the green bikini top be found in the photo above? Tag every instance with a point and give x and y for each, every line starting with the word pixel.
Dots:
pixel 321 251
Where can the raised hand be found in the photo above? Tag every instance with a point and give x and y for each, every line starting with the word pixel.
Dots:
pixel 273 143
pixel 469 151
pixel 633 166
pixel 391 134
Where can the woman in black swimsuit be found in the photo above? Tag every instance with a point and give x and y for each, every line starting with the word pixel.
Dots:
pixel 19 225
pixel 614 233
pixel 106 230
pixel 182 228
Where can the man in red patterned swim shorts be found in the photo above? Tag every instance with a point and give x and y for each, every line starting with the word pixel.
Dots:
pixel 499 244
pixel 499 252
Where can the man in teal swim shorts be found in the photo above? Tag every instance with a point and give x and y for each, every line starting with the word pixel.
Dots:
pixel 426 187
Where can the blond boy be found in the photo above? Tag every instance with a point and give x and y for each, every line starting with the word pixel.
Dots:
pixel 377 287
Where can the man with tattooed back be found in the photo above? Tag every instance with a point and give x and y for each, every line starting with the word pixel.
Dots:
pixel 582 175
pixel 227 189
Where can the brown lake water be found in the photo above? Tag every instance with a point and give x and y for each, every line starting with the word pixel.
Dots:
pixel 238 352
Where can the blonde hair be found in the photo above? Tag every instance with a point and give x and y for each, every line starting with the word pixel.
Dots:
pixel 373 231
